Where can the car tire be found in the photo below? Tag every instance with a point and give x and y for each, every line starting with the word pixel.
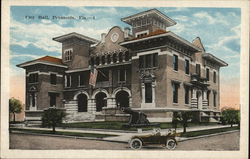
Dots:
pixel 135 144
pixel 171 144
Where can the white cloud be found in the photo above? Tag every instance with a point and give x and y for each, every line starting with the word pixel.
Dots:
pixel 182 18
pixel 45 21
pixel 211 19
pixel 41 34
pixel 178 9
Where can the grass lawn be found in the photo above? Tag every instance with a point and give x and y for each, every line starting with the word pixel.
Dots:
pixel 119 125
pixel 64 133
pixel 207 132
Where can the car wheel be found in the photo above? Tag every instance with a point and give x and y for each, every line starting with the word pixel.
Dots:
pixel 171 144
pixel 135 143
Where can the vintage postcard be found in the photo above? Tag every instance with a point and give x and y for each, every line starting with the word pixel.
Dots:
pixel 124 79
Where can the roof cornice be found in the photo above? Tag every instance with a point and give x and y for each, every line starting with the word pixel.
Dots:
pixel 74 34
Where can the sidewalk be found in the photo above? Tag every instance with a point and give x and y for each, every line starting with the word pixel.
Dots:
pixel 125 136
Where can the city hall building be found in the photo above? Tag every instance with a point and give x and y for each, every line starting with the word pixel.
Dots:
pixel 145 67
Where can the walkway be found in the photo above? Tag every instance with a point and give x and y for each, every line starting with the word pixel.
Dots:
pixel 125 136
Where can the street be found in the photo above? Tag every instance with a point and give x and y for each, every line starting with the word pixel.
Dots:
pixel 24 141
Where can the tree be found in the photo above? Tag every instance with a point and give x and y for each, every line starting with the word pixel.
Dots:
pixel 231 116
pixel 183 117
pixel 52 117
pixel 175 120
pixel 15 106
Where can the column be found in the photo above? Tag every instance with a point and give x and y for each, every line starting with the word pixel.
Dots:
pixel 194 102
pixel 30 101
pixel 35 108
pixel 130 101
pixel 143 92
pixel 153 92
pixel 123 57
pixel 204 101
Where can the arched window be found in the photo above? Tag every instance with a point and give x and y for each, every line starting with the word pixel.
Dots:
pixel 82 101
pixel 114 58
pixel 103 60
pixel 120 57
pixel 100 101
pixel 97 60
pixel 127 56
pixel 109 59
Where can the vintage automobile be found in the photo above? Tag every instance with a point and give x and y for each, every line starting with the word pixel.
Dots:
pixel 167 140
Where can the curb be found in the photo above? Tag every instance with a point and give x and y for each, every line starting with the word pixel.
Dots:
pixel 197 137
pixel 66 136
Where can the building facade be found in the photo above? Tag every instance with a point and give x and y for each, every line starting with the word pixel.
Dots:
pixel 145 67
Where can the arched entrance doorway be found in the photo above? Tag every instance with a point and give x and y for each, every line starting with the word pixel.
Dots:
pixel 82 101
pixel 100 101
pixel 122 98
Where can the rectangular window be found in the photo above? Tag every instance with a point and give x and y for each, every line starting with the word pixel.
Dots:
pixel 187 67
pixel 141 61
pixel 68 55
pixel 103 75
pixel 208 95
pixel 53 78
pixel 175 92
pixel 148 93
pixel 148 61
pixel 198 69
pixel 122 75
pixel 186 95
pixel 155 60
pixel 207 74
pixel 52 99
pixel 81 80
pixel 68 81
pixel 215 103
pixel 214 77
pixel 175 62
pixel 33 78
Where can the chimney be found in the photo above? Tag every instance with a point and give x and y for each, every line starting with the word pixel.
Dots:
pixel 103 37
pixel 126 32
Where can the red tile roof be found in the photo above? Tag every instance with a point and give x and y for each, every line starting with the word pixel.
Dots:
pixel 157 32
pixel 50 59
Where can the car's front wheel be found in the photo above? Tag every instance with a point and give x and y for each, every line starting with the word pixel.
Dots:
pixel 135 143
pixel 171 144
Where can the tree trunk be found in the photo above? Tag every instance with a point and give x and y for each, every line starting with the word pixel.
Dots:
pixel 231 124
pixel 54 129
pixel 184 128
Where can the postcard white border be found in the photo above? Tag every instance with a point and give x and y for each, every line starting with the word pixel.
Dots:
pixel 244 83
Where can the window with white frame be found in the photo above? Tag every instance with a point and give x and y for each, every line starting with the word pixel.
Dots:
pixel 67 80
pixel 122 75
pixel 68 55
pixel 187 66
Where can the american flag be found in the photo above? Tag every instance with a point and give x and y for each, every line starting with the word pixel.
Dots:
pixel 93 76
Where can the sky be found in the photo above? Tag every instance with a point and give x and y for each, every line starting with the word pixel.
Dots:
pixel 31 37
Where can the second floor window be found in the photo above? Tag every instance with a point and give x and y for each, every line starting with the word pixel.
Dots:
pixel 187 67
pixel 175 62
pixel 80 80
pixel 33 78
pixel 175 92
pixel 198 69
pixel 122 75
pixel 103 75
pixel 215 101
pixel 148 61
pixel 53 79
pixel 67 81
pixel 207 74
pixel 68 55
pixel 186 95
pixel 214 77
